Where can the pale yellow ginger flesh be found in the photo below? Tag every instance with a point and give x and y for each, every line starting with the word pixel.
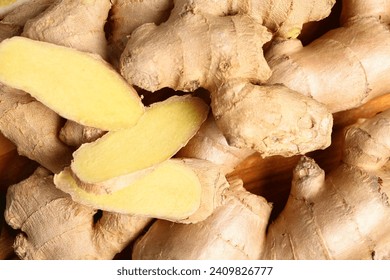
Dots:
pixel 179 190
pixel 164 128
pixel 76 85
pixel 171 191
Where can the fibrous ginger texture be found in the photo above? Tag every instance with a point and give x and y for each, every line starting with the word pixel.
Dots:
pixel 76 85
pixel 75 24
pixel 75 134
pixel 55 227
pixel 355 9
pixel 235 230
pixel 217 44
pixel 283 17
pixel 127 15
pixel 207 43
pixel 164 128
pixel 345 214
pixel 200 50
pixel 272 120
pixel 354 60
pixel 178 190
pixel 33 128
pixel 13 22
pixel 210 144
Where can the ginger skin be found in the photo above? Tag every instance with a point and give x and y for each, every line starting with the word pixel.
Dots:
pixel 217 236
pixel 361 50
pixel 74 134
pixel 33 128
pixel 127 15
pixel 55 227
pixel 345 214
pixel 210 144
pixel 13 22
pixel 75 24
pixel 290 122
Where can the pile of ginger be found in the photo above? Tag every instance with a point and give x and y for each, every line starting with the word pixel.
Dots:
pixel 141 120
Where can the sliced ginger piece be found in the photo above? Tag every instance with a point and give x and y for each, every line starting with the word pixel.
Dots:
pixel 179 190
pixel 164 129
pixel 78 86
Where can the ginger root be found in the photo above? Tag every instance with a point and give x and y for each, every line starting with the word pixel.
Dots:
pixel 87 90
pixel 127 15
pixel 271 119
pixel 33 128
pixel 225 49
pixel 74 134
pixel 187 64
pixel 13 22
pixel 346 214
pixel 354 46
pixel 217 237
pixel 76 24
pixel 8 5
pixel 55 227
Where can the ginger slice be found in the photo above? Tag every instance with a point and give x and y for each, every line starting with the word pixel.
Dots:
pixel 78 86
pixel 179 190
pixel 164 129
pixel 170 191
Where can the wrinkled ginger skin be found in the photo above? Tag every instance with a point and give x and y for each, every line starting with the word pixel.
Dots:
pixel 8 5
pixel 35 133
pixel 216 237
pixel 75 24
pixel 361 50
pixel 187 65
pixel 227 45
pixel 272 120
pixel 284 18
pixel 345 215
pixel 210 144
pixel 55 227
pixel 127 15
pixel 13 22
pixel 357 9
pixel 74 134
